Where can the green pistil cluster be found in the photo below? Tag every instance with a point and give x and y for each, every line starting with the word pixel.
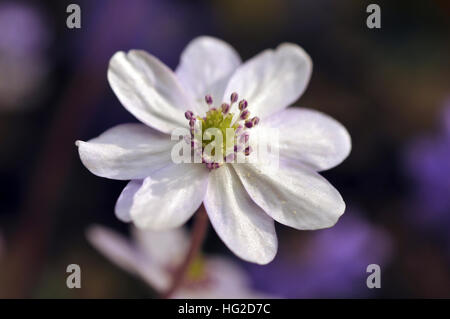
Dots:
pixel 222 120
pixel 217 119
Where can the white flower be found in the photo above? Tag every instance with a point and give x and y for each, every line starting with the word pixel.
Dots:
pixel 242 200
pixel 154 256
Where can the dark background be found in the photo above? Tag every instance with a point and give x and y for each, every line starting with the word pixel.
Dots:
pixel 389 87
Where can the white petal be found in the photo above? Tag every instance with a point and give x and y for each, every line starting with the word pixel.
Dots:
pixel 299 198
pixel 166 248
pixel 239 222
pixel 149 90
pixel 127 256
pixel 123 204
pixel 127 151
pixel 310 137
pixel 170 196
pixel 272 80
pixel 206 65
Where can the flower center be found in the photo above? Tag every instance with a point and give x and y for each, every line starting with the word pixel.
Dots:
pixel 219 136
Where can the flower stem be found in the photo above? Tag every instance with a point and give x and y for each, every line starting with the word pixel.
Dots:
pixel 198 236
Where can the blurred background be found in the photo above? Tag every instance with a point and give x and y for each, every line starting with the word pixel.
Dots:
pixel 390 87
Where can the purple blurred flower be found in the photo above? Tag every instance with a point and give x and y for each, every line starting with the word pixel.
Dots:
pixel 427 161
pixel 23 40
pixel 22 30
pixel 331 264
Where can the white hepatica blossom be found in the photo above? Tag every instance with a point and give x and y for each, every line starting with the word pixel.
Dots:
pixel 154 256
pixel 242 199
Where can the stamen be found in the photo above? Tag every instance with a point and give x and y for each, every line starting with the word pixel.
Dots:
pixel 208 99
pixel 188 114
pixel 248 124
pixel 220 118
pixel 243 105
pixel 225 108
pixel 244 114
pixel 234 97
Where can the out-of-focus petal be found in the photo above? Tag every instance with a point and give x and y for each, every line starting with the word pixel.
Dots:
pixel 127 256
pixel 225 279
pixel 167 248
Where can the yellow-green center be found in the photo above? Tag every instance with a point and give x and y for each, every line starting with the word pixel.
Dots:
pixel 216 119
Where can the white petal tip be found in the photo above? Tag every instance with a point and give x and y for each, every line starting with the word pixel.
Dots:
pixel 335 218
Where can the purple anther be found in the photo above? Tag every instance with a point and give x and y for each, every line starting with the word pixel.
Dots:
pixel 248 150
pixel 234 97
pixel 248 124
pixel 245 114
pixel 243 104
pixel 208 99
pixel 225 108
pixel 255 121
pixel 188 114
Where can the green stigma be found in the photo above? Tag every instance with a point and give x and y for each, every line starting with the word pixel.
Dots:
pixel 196 270
pixel 216 119
pixel 222 120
